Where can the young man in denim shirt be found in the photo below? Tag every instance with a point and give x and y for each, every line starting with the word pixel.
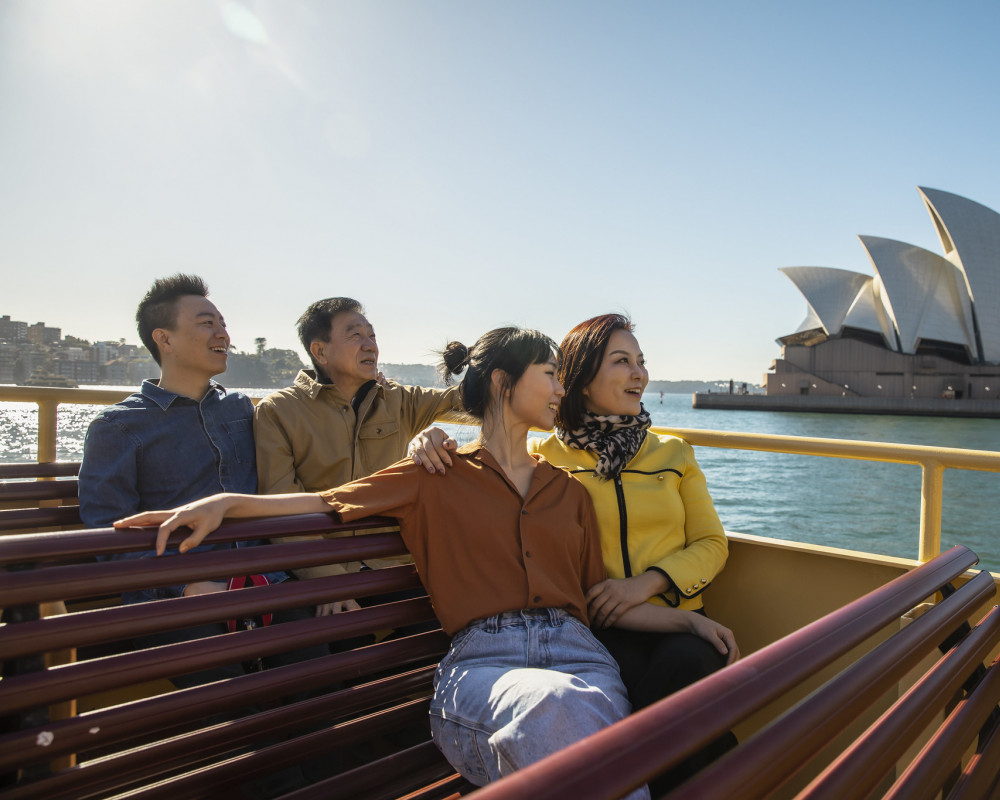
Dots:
pixel 176 440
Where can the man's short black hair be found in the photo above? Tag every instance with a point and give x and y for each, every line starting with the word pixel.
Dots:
pixel 158 308
pixel 314 324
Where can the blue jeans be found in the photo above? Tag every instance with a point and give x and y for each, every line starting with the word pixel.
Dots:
pixel 518 686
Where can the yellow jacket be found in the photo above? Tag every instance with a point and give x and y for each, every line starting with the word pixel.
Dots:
pixel 656 515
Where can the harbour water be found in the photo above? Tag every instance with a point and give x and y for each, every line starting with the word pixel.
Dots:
pixel 859 505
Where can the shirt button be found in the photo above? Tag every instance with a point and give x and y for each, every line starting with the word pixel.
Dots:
pixel 659 477
pixel 344 408
pixel 537 598
pixel 704 581
pixel 524 511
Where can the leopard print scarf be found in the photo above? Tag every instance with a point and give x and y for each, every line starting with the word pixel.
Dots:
pixel 615 439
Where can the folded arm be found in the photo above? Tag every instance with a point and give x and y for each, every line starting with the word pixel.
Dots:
pixel 663 619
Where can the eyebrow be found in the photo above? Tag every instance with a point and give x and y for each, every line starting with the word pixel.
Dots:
pixel 624 353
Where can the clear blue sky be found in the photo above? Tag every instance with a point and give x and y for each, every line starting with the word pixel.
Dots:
pixel 462 164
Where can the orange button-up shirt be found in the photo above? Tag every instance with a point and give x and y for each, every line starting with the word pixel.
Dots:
pixel 480 547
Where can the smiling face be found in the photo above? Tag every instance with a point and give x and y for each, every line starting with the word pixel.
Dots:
pixel 197 344
pixel 620 380
pixel 534 399
pixel 350 357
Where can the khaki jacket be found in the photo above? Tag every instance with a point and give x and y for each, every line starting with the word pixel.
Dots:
pixel 308 439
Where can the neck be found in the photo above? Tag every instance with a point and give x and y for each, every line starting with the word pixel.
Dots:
pixel 183 383
pixel 507 443
pixel 348 388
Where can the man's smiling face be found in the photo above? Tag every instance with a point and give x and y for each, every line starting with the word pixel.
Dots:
pixel 198 342
pixel 350 357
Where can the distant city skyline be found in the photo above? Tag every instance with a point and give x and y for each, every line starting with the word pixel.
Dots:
pixel 457 166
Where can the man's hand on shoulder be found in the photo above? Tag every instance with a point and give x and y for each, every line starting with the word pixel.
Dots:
pixel 430 448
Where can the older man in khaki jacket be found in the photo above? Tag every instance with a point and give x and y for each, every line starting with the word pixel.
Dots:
pixel 337 422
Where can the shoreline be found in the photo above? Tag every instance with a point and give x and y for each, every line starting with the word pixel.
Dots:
pixel 919 407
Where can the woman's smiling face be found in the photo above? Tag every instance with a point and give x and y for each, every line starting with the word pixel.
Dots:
pixel 536 395
pixel 620 380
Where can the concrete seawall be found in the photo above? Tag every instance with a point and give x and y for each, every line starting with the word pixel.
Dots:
pixel 848 405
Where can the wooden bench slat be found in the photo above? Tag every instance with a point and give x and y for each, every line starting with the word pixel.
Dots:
pixel 446 789
pixel 796 736
pixel 944 751
pixel 100 674
pixel 861 766
pixel 170 712
pixel 85 580
pixel 63 545
pixel 125 622
pixel 207 782
pixel 18 519
pixel 420 764
pixel 188 751
pixel 981 776
pixel 32 469
pixel 62 489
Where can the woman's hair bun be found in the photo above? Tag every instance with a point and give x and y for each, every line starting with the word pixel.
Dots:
pixel 454 359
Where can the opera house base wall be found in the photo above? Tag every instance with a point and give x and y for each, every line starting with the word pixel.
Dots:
pixel 847 367
pixel 849 405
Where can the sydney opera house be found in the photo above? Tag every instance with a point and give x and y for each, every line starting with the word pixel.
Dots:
pixel 925 325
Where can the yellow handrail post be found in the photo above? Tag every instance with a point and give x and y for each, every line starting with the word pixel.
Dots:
pixel 47 413
pixel 931 490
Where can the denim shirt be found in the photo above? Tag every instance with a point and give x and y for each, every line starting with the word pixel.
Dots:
pixel 158 450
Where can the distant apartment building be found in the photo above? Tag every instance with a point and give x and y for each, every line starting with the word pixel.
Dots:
pixel 28 351
pixel 12 330
pixel 40 333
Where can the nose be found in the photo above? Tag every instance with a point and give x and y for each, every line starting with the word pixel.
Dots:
pixel 560 391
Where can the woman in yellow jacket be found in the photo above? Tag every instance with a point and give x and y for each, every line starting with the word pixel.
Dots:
pixel 661 537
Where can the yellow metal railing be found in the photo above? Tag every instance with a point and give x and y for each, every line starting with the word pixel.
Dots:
pixel 933 461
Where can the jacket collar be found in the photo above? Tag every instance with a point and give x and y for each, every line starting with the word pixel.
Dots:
pixel 151 390
pixel 307 382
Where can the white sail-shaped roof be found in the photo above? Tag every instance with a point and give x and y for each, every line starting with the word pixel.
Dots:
pixel 925 294
pixel 970 236
pixel 829 292
pixel 868 314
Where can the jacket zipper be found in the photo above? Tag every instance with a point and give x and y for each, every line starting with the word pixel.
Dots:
pixel 623 526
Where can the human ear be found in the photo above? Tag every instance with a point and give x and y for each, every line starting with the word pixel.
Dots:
pixel 499 385
pixel 316 351
pixel 162 337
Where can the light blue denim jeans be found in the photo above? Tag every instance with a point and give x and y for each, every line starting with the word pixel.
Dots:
pixel 519 686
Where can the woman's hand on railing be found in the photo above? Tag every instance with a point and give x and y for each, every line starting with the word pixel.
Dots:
pixel 205 515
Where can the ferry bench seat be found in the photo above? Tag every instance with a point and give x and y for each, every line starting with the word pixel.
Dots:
pixel 37 497
pixel 935 730
pixel 366 715
pixel 364 698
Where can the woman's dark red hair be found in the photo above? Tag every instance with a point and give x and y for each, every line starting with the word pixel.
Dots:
pixel 582 353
